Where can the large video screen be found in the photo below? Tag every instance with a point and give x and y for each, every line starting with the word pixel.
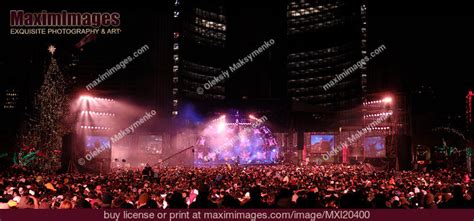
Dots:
pixel 374 146
pixel 93 142
pixel 321 143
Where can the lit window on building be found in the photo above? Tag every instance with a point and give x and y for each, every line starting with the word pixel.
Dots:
pixel 207 28
pixel 209 24
pixel 175 68
pixel 210 15
pixel 11 99
pixel 176 46
pixel 303 11
pixel 176 14
pixel 209 33
pixel 176 58
pixel 176 34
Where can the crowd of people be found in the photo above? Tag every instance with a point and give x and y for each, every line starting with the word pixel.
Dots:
pixel 272 186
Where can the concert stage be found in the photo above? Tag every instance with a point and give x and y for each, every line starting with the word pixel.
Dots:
pixel 236 139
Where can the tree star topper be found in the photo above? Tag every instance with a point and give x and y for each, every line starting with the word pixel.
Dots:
pixel 51 49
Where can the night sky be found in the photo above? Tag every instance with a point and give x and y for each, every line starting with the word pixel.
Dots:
pixel 429 45
pixel 424 51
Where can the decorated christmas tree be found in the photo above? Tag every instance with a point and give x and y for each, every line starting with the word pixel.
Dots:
pixel 41 139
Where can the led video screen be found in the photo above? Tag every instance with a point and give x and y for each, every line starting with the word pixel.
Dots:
pixel 374 147
pixel 321 143
pixel 93 142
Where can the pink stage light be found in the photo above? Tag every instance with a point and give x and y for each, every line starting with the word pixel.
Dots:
pixel 95 128
pixel 387 100
pixel 90 98
pixel 98 113
pixel 221 127
pixel 252 117
pixel 85 97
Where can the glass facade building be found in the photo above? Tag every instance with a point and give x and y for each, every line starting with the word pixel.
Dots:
pixel 325 38
pixel 201 49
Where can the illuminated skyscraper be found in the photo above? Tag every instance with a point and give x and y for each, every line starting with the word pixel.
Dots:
pixel 201 45
pixel 11 97
pixel 325 38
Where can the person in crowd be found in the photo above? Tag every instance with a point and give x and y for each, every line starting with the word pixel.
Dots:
pixel 147 171
pixel 255 200
pixel 202 200
pixel 176 201
pixel 66 204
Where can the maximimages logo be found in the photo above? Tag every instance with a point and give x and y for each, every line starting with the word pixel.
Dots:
pixel 64 22
pixel 20 18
